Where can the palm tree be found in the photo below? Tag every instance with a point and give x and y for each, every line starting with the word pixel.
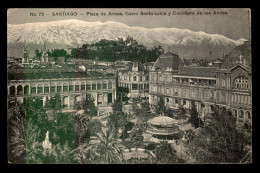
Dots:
pixel 81 127
pixel 102 149
pixel 17 145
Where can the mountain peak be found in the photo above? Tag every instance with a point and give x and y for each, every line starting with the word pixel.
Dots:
pixel 73 32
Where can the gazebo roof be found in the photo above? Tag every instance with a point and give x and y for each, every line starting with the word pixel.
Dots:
pixel 162 120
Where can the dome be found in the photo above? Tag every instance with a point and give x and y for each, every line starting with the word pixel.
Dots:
pixel 162 121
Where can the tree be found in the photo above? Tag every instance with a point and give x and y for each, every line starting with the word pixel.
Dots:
pixel 47 103
pixel 194 119
pixel 165 153
pixel 90 108
pixel 144 114
pixel 55 103
pixel 160 106
pixel 82 52
pixel 38 53
pixel 219 141
pixel 94 127
pixel 137 137
pixel 17 143
pixel 81 128
pixel 102 148
pixel 118 119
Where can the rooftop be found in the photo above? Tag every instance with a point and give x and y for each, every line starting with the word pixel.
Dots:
pixel 198 71
pixel 167 60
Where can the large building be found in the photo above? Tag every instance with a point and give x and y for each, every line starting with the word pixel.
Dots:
pixel 72 84
pixel 135 79
pixel 227 86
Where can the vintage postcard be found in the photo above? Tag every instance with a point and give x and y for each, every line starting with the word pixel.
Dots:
pixel 129 86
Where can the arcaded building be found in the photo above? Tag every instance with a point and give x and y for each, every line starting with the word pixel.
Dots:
pixel 71 83
pixel 228 86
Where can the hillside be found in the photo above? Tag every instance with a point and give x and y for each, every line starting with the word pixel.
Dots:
pixel 72 33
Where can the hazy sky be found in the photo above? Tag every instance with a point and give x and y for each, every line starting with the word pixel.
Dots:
pixel 235 24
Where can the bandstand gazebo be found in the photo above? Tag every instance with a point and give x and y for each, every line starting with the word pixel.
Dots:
pixel 162 128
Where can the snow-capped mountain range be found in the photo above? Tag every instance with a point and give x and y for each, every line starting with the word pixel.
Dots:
pixel 71 33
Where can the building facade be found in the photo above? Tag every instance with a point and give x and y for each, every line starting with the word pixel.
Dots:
pixel 229 86
pixel 73 85
pixel 136 80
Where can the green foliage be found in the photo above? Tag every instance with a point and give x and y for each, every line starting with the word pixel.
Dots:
pixel 182 110
pixel 219 141
pixel 160 106
pixel 55 53
pixel 122 93
pixel 82 52
pixel 137 138
pixel 38 53
pixel 94 127
pixel 143 114
pixel 194 119
pixel 166 154
pixel 90 108
pixel 81 128
pixel 110 50
pixel 17 140
pixel 117 119
pixel 102 149
pixel 26 134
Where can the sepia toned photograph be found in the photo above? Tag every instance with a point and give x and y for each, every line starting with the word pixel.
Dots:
pixel 129 86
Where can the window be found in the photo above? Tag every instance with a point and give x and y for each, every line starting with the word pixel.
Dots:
pixel 39 89
pixel 26 89
pixel 109 85
pixel 71 87
pixel 65 88
pixel 104 86
pixel 167 90
pixel 46 89
pixel 176 91
pixel 59 88
pixel 88 86
pixel 223 83
pixel 83 87
pixel 53 88
pixel 134 78
pixel 77 87
pixel 99 86
pixel 152 78
pixel 100 99
pixel 33 89
pixel 241 83
pixel 193 93
pixel 94 85
pixel 134 86
pixel 248 115
pixel 160 78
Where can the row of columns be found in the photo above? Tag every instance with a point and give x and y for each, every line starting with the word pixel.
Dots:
pixel 109 85
pixel 130 86
pixel 16 92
